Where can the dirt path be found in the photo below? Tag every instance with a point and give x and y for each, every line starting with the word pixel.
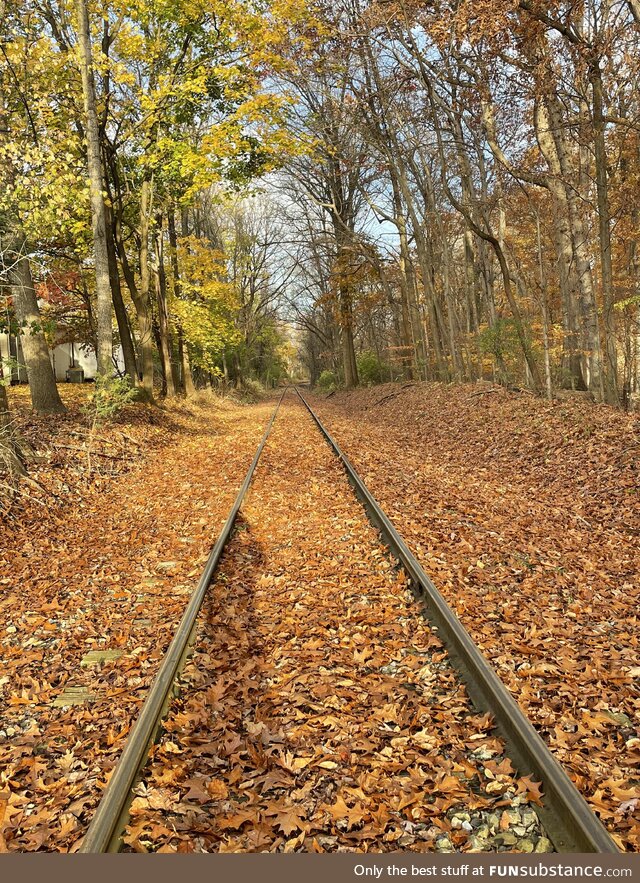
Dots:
pixel 112 573
pixel 526 514
pixel 319 712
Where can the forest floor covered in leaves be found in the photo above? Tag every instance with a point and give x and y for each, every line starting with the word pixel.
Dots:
pixel 100 553
pixel 320 712
pixel 302 724
pixel 526 515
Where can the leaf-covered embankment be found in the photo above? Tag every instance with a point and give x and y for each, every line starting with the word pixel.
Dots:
pixel 526 514
pixel 90 564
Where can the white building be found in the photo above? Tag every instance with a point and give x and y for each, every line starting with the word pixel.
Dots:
pixel 71 355
pixel 63 357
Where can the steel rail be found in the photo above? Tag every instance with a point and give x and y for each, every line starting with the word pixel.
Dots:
pixel 569 821
pixel 105 831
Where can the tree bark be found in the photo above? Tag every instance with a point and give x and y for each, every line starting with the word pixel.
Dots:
pixel 9 451
pixel 569 285
pixel 345 304
pixel 431 207
pixel 634 6
pixel 189 387
pixel 579 239
pixel 186 377
pixel 604 233
pixel 346 327
pixel 42 382
pixel 408 352
pixel 142 301
pixel 10 456
pixel 486 235
pixel 143 312
pixel 124 329
pixel 163 315
pixel 545 311
pixel 98 214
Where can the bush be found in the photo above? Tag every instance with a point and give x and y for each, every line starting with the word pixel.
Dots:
pixel 371 369
pixel 500 340
pixel 110 396
pixel 328 381
pixel 252 390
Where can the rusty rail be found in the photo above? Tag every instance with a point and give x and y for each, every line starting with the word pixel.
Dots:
pixel 569 821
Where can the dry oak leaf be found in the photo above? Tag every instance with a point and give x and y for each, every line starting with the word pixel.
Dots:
pixel 294 764
pixel 154 798
pixel 288 820
pixel 237 820
pixel 197 786
pixel 4 799
pixel 294 843
pixel 217 789
pixel 339 811
pixel 533 789
pixel 447 784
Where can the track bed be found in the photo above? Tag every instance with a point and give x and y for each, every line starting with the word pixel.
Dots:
pixel 320 712
pixel 526 515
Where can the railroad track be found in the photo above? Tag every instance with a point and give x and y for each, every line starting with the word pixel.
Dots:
pixel 568 821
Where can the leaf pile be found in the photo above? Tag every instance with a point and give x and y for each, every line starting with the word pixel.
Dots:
pixel 526 514
pixel 319 712
pixel 67 462
pixel 108 565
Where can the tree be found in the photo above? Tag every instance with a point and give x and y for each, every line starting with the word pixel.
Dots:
pixel 10 456
pixel 476 119
pixel 42 382
pixel 15 269
pixel 98 214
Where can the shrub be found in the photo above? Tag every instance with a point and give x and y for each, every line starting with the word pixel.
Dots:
pixel 110 396
pixel 500 340
pixel 371 369
pixel 252 390
pixel 328 381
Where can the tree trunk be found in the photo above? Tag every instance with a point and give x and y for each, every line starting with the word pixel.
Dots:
pixel 552 121
pixel 98 214
pixel 345 303
pixel 188 386
pixel 143 315
pixel 163 367
pixel 545 311
pixel 143 301
pixel 473 300
pixel 42 382
pixel 634 273
pixel 408 353
pixel 466 210
pixel 604 232
pixel 129 277
pixel 10 458
pixel 163 316
pixel 420 330
pixel 451 312
pixel 431 207
pixel 124 329
pixel 569 284
pixel 348 350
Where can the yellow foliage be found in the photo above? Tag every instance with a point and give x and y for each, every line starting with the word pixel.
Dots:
pixel 208 304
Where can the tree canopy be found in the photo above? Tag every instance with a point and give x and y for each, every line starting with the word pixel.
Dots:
pixel 438 191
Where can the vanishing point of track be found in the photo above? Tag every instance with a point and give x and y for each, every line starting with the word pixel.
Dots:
pixel 569 822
